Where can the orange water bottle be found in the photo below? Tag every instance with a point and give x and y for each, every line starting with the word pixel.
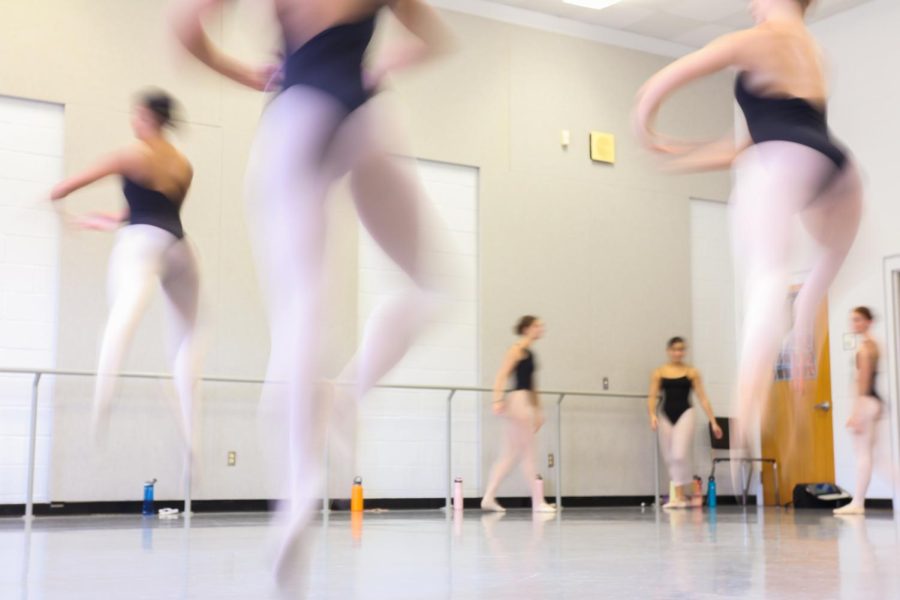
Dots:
pixel 356 495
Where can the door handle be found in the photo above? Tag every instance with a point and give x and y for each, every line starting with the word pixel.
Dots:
pixel 823 406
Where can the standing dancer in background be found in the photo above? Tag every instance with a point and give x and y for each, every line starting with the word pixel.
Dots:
pixel 673 417
pixel 150 248
pixel 790 168
pixel 322 125
pixel 521 409
pixel 867 408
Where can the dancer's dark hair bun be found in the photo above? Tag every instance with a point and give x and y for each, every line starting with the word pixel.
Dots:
pixel 524 323
pixel 161 104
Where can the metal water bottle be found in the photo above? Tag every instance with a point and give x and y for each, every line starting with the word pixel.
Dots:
pixel 356 495
pixel 147 509
pixel 457 494
pixel 711 493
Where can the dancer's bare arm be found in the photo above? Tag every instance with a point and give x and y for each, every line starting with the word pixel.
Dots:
pixel 720 54
pixel 653 399
pixel 513 356
pixel 127 161
pixel 700 391
pixel 187 18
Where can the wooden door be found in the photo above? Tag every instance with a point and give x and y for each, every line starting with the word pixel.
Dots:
pixel 798 434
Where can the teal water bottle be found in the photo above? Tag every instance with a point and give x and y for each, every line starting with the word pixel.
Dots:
pixel 147 509
pixel 711 493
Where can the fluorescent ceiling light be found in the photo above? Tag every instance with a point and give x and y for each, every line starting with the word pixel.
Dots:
pixel 596 4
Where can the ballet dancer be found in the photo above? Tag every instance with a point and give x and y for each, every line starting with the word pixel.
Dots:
pixel 790 166
pixel 521 409
pixel 672 417
pixel 867 409
pixel 150 248
pixel 322 124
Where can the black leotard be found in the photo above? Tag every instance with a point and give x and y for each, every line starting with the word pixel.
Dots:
pixel 152 207
pixel 676 396
pixel 332 62
pixel 525 372
pixel 787 119
pixel 872 391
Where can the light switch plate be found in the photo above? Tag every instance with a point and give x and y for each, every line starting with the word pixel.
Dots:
pixel 603 147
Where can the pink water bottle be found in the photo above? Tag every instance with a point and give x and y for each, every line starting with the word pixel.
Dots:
pixel 537 491
pixel 457 494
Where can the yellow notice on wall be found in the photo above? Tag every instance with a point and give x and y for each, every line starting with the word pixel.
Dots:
pixel 603 147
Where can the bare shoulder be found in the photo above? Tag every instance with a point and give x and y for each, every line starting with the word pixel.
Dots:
pixel 136 160
pixel 869 349
pixel 515 352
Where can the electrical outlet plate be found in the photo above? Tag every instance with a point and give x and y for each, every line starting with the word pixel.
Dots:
pixel 232 458
pixel 551 460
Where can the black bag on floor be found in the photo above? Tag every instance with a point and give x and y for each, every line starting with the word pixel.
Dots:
pixel 819 495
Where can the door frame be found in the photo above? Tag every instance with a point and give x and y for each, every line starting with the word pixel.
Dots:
pixel 891 276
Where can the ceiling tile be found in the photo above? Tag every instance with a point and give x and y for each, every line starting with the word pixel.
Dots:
pixel 704 10
pixel 702 35
pixel 690 22
pixel 663 25
pixel 621 15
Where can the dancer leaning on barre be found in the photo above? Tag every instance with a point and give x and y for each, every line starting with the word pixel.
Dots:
pixel 791 166
pixel 150 249
pixel 322 124
pixel 521 410
pixel 867 409
pixel 672 416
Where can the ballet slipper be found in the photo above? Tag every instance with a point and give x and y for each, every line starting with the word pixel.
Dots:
pixel 490 504
pixel 543 507
pixel 850 509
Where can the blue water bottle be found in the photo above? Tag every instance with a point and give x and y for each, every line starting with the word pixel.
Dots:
pixel 711 493
pixel 147 509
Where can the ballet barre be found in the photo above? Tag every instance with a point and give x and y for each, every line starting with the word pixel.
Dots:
pixel 38 374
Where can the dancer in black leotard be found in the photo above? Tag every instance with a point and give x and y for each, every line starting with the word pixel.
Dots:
pixel 522 410
pixel 150 249
pixel 322 125
pixel 867 408
pixel 670 391
pixel 790 166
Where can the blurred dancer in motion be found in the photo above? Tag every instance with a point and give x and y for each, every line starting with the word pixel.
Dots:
pixel 150 248
pixel 673 417
pixel 323 124
pixel 867 409
pixel 521 409
pixel 790 167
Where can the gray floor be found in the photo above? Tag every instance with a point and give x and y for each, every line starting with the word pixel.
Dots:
pixel 597 553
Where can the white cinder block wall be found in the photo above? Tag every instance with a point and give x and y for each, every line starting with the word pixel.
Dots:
pixel 31 160
pixel 712 344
